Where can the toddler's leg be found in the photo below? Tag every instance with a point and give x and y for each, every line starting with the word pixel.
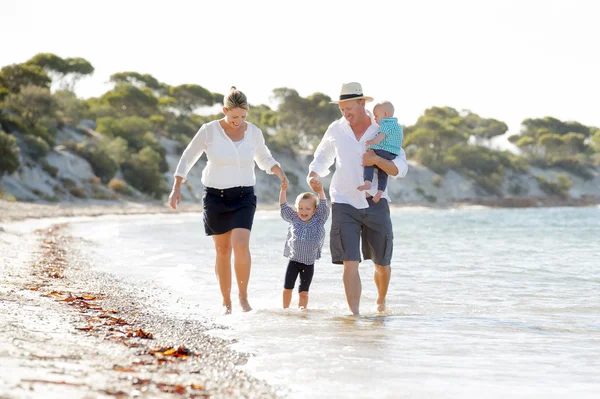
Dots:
pixel 306 276
pixel 291 275
pixel 368 176
pixel 382 179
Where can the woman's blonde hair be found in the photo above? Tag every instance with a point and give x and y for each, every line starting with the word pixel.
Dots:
pixel 235 99
pixel 309 196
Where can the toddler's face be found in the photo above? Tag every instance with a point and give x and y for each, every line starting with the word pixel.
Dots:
pixel 306 209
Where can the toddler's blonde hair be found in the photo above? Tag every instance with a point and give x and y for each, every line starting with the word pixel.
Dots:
pixel 307 195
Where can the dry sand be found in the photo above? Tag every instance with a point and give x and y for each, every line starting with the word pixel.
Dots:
pixel 67 331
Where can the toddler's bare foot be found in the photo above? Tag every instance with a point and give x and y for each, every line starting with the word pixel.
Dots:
pixel 366 186
pixel 245 305
pixel 377 196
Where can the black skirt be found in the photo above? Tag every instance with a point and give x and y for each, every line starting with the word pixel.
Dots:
pixel 228 209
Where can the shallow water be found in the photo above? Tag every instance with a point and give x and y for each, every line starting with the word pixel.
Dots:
pixel 482 302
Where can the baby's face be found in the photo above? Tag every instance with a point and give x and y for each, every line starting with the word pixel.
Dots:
pixel 378 113
pixel 306 209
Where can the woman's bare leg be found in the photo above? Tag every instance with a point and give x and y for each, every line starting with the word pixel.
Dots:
pixel 223 267
pixel 240 242
pixel 287 298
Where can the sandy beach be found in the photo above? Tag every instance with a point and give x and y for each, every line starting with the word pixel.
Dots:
pixel 69 331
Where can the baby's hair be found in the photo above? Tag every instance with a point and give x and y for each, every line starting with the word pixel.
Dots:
pixel 386 107
pixel 307 195
pixel 235 99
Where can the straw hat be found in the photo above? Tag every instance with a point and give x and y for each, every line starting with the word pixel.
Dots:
pixel 352 91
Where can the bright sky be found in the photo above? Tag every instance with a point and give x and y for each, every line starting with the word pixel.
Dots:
pixel 504 59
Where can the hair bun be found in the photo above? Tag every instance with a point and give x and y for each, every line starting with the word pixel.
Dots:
pixel 233 88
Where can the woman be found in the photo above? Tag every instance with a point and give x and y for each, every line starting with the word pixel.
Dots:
pixel 232 146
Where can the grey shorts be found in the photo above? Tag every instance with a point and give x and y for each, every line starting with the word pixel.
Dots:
pixel 373 225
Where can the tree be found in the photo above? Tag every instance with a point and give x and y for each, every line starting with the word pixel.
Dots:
pixel 140 81
pixel 9 154
pixel 551 142
pixel 14 76
pixel 77 68
pixel 32 104
pixel 596 141
pixel 187 98
pixel 53 65
pixel 574 143
pixel 129 100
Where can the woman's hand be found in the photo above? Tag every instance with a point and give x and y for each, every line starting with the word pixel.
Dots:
pixel 175 197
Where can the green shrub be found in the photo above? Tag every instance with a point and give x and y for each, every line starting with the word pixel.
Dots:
pixel 574 165
pixel 437 180
pixel 51 170
pixel 142 172
pixel 9 154
pixel 37 147
pixel 77 192
pixel 559 187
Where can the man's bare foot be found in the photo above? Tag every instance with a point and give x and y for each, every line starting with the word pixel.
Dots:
pixel 366 186
pixel 377 196
pixel 226 309
pixel 245 305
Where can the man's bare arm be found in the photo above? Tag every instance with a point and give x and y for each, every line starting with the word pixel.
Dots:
pixel 388 166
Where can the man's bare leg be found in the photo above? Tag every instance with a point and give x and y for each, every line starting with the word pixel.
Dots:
pixel 382 275
pixel 352 285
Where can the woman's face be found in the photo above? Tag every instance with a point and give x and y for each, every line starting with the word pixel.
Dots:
pixel 235 117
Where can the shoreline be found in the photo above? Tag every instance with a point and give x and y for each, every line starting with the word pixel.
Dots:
pixel 19 211
pixel 72 331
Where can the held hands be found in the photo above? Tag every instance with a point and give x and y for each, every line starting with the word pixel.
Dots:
pixel 315 184
pixel 284 185
pixel 175 197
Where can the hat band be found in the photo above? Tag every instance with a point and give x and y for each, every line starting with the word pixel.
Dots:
pixel 349 96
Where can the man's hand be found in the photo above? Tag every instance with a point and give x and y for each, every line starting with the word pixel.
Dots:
pixel 370 158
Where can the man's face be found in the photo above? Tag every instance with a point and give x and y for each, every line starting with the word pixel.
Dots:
pixel 352 110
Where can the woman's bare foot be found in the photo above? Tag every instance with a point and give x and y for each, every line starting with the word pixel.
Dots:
pixel 245 305
pixel 381 307
pixel 377 196
pixel 226 309
pixel 366 186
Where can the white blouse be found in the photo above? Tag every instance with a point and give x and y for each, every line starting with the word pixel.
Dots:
pixel 230 164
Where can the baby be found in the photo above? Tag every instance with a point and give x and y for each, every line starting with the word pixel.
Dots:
pixel 304 241
pixel 386 144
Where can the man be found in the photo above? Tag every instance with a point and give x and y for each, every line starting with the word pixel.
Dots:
pixel 354 215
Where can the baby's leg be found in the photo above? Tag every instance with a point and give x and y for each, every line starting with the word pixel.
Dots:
pixel 368 176
pixel 306 276
pixel 291 275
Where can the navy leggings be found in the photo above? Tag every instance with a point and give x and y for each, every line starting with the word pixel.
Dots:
pixel 382 177
pixel 306 274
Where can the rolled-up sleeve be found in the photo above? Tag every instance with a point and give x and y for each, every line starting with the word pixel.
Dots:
pixel 192 153
pixel 262 155
pixel 324 156
pixel 401 164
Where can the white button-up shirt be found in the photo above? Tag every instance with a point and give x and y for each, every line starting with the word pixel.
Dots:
pixel 230 164
pixel 339 144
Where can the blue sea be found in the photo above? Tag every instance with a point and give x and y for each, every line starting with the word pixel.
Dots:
pixel 483 302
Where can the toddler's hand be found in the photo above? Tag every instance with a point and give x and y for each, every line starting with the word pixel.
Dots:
pixel 368 143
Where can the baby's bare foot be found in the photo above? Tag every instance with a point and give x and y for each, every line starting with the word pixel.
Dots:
pixel 365 187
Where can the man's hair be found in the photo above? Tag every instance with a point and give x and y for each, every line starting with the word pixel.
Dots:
pixel 235 99
pixel 387 107
pixel 307 195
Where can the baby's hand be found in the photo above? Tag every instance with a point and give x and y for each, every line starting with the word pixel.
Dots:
pixel 368 143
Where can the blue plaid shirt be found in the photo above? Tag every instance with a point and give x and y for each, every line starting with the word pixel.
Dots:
pixel 393 136
pixel 305 240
